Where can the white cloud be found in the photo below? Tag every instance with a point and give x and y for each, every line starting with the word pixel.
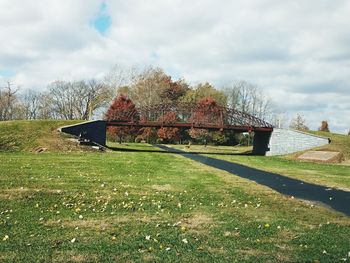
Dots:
pixel 297 51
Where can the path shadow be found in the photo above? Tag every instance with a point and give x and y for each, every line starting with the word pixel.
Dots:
pixel 175 151
pixel 337 199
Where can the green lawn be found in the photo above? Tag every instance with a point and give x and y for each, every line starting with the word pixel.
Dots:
pixel 132 146
pixel 141 206
pixel 72 205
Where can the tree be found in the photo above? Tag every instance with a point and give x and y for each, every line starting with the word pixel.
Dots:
pixel 120 76
pixel 121 109
pixel 174 91
pixel 147 134
pixel 46 108
pixel 93 95
pixel 199 134
pixel 324 126
pixel 78 99
pixel 207 111
pixel 248 98
pixel 8 102
pixel 202 91
pixel 298 123
pixel 31 103
pixel 147 87
pixel 349 132
pixel 169 134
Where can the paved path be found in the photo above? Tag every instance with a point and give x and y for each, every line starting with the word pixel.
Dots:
pixel 337 199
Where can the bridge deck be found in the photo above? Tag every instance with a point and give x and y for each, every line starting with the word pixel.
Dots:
pixel 153 124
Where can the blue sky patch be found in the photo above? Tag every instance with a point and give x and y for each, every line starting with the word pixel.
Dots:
pixel 6 73
pixel 102 21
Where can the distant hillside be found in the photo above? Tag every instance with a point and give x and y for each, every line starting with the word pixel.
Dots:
pixel 33 135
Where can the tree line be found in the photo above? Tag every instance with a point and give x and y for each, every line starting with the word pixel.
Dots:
pixel 84 99
pixel 87 99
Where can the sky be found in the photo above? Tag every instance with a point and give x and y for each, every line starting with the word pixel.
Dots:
pixel 297 52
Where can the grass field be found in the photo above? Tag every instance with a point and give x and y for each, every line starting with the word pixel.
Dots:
pixel 139 206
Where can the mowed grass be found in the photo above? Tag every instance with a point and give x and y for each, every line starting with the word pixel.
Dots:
pixel 139 207
pixel 71 205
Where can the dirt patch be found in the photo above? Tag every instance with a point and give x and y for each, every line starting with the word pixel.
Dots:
pixel 98 224
pixel 161 188
pixel 322 156
pixel 279 256
pixel 7 256
pixel 250 252
pixel 198 221
pixel 22 192
pixel 68 256
pixel 217 250
pixel 40 150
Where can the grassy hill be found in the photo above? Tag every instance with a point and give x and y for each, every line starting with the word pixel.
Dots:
pixel 31 135
pixel 339 142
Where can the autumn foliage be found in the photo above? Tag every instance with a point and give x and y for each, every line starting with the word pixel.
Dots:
pixel 121 109
pixel 174 90
pixel 169 134
pixel 147 134
pixel 207 111
pixel 324 126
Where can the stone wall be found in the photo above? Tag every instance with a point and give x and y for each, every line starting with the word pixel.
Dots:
pixel 285 141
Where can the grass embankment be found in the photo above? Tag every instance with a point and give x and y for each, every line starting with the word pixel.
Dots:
pixel 153 207
pixel 31 135
pixel 339 142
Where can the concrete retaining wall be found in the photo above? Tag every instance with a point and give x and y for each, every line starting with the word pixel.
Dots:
pixel 285 141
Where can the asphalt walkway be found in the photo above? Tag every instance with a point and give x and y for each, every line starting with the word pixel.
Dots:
pixel 337 199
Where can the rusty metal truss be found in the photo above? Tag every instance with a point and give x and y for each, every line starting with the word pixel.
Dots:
pixel 189 115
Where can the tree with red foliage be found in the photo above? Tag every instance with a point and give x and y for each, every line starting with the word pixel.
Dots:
pixel 169 134
pixel 199 134
pixel 121 109
pixel 207 111
pixel 147 134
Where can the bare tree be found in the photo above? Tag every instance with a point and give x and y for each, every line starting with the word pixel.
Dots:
pixel 30 101
pixel 62 99
pixel 248 98
pixel 299 123
pixel 119 77
pixel 8 101
pixel 278 119
pixel 92 95
pixel 78 99
pixel 46 107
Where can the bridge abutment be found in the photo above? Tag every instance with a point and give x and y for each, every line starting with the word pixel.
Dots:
pixel 93 131
pixel 261 142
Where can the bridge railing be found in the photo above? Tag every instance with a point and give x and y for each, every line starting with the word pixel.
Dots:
pixel 190 113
